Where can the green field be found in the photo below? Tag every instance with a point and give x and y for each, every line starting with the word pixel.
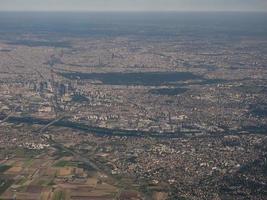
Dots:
pixel 65 163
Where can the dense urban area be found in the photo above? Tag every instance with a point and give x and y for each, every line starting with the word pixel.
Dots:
pixel 130 117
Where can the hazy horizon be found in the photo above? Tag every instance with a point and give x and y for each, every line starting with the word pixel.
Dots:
pixel 134 5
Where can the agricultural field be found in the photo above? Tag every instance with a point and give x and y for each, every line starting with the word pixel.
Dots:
pixel 48 177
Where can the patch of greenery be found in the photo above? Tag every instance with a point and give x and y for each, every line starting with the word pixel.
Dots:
pixel 45 182
pixel 59 195
pixel 3 168
pixel 86 167
pixel 4 185
pixel 28 162
pixel 65 163
pixel 61 152
pixel 22 181
pixel 27 153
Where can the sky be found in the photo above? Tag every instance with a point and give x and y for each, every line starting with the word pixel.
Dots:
pixel 133 5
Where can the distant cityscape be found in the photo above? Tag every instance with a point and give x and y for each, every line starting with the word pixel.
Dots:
pixel 133 111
